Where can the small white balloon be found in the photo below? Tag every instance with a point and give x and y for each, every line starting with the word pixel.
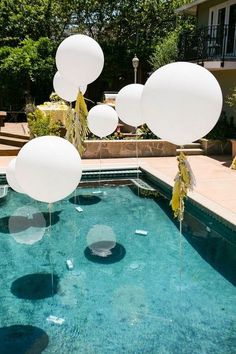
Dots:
pixel 181 102
pixel 64 89
pixel 101 239
pixel 11 176
pixel 128 104
pixel 48 168
pixel 102 120
pixel 79 59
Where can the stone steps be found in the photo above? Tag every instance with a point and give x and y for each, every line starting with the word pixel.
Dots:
pixel 13 135
pixel 191 149
pixel 9 150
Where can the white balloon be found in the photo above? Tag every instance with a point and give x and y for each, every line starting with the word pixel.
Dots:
pixel 83 89
pixel 101 239
pixel 128 104
pixel 181 102
pixel 11 176
pixel 48 168
pixel 102 120
pixel 79 59
pixel 64 89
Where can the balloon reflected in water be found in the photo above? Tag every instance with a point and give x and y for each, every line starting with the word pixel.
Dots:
pixel 27 225
pixel 101 239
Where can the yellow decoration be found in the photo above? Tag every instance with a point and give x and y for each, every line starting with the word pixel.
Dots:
pixel 233 164
pixel 76 124
pixel 56 110
pixel 184 181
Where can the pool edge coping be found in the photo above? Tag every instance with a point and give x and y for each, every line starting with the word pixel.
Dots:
pixel 220 213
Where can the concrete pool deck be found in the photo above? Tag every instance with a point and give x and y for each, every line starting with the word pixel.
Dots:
pixel 215 181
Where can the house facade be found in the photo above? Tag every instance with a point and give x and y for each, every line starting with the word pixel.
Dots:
pixel 213 43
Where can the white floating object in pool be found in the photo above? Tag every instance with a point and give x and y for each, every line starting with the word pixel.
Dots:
pixel 79 209
pixel 3 191
pixel 69 264
pixel 141 232
pixel 134 266
pixel 208 229
pixel 55 319
pixel 97 192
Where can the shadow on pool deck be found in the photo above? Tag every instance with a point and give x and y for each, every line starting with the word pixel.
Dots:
pixel 35 286
pixel 22 339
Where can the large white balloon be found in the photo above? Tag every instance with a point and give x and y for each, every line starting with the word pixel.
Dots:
pixel 79 59
pixel 48 168
pixel 65 89
pixel 128 104
pixel 102 120
pixel 11 176
pixel 181 102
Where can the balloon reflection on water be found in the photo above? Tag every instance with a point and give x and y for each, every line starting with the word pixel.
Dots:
pixel 101 239
pixel 27 225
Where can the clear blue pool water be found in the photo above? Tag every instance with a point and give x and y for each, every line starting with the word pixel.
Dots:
pixel 154 294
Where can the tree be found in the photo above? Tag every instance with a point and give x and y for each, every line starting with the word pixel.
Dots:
pixel 26 71
pixel 166 51
pixel 40 18
pixel 124 28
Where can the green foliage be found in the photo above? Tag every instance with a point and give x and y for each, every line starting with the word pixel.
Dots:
pixel 41 124
pixel 165 51
pixel 224 129
pixel 31 31
pixel 39 18
pixel 231 99
pixel 145 133
pixel 25 71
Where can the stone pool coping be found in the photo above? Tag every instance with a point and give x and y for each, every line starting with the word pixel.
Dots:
pixel 216 183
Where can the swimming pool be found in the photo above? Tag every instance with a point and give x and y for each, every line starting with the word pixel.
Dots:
pixel 127 293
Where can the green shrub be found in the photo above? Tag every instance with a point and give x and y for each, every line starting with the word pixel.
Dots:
pixel 224 129
pixel 41 124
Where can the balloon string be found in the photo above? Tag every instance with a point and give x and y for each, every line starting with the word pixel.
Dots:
pixel 137 158
pixel 50 234
pixel 100 162
pixel 181 234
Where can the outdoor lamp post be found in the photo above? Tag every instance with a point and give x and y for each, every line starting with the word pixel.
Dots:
pixel 135 62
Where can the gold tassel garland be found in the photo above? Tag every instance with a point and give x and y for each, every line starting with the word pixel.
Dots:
pixel 184 181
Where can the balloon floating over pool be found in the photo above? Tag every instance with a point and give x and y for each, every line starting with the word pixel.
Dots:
pixel 128 104
pixel 101 239
pixel 102 120
pixel 181 102
pixel 79 59
pixel 48 168
pixel 66 90
pixel 11 176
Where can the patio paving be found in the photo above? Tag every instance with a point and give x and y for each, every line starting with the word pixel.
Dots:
pixel 215 182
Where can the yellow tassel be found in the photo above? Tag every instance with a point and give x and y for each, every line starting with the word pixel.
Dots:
pixel 233 164
pixel 183 183
pixel 77 124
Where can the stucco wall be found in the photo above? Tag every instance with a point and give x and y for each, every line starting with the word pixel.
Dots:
pixel 203 11
pixel 227 81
